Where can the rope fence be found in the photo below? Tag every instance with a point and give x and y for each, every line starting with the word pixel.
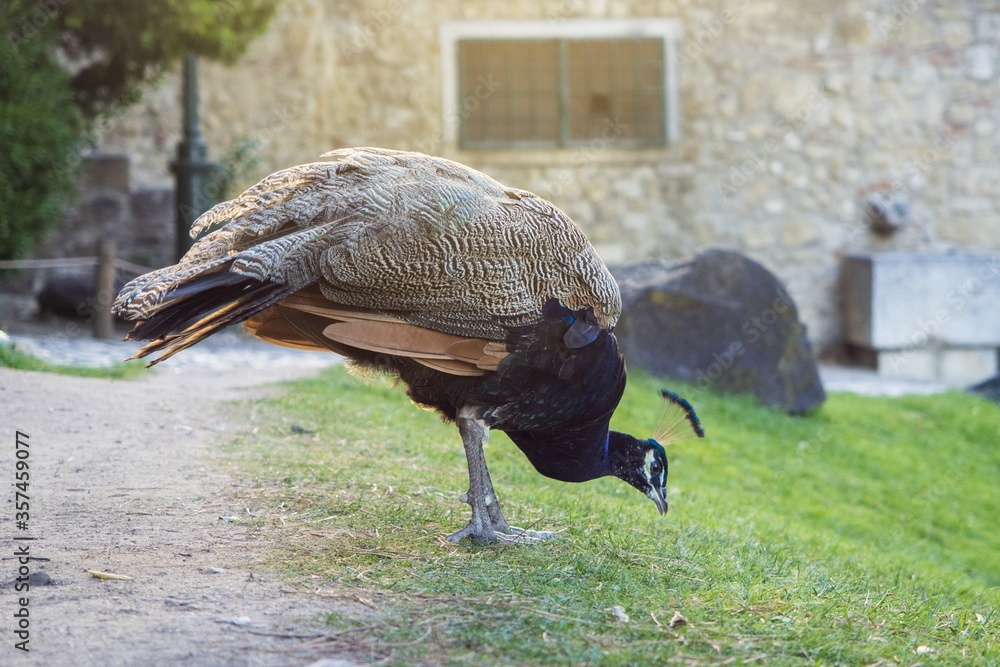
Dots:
pixel 71 263
pixel 105 264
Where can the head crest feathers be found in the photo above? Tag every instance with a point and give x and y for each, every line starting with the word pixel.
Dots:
pixel 677 420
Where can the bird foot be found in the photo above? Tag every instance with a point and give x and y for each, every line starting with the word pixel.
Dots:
pixel 493 512
pixel 488 534
pixel 478 533
pixel 491 527
pixel 487 523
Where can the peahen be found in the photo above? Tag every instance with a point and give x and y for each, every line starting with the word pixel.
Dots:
pixel 488 302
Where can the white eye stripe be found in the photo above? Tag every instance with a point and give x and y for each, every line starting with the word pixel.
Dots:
pixel 650 459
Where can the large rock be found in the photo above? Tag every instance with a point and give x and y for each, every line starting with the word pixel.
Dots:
pixel 721 321
pixel 71 295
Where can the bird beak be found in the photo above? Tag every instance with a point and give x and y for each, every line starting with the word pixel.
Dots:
pixel 659 496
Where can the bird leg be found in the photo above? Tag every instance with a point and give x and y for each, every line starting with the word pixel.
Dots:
pixel 480 495
pixel 487 523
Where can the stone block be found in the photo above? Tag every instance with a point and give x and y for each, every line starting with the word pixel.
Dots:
pixel 966 366
pixel 957 367
pixel 105 172
pixel 913 364
pixel 153 214
pixel 898 300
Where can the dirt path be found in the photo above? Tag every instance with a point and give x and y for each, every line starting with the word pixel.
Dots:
pixel 125 478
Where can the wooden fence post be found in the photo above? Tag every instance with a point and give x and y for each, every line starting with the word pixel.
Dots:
pixel 104 324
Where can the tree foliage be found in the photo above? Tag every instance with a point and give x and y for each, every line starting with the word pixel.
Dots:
pixel 40 135
pixel 63 63
pixel 124 43
pixel 113 47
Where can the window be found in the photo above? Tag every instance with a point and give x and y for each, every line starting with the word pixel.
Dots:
pixel 525 85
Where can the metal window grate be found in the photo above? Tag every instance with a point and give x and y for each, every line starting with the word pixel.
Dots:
pixel 544 93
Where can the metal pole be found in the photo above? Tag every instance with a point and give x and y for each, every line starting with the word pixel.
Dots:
pixel 191 167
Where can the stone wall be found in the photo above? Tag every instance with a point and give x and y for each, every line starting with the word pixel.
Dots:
pixel 109 206
pixel 793 114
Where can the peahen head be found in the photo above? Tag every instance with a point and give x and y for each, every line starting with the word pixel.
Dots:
pixel 641 463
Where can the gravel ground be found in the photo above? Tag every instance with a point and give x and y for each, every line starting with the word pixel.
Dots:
pixel 126 477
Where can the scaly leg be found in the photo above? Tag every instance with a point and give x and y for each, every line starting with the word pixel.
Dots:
pixel 487 523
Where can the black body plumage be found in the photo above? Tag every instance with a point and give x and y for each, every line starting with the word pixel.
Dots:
pixel 554 401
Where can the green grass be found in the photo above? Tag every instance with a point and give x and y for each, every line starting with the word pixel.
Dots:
pixel 866 533
pixel 12 358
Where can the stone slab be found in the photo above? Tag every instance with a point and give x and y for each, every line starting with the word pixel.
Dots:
pixel 961 367
pixel 954 367
pixel 901 301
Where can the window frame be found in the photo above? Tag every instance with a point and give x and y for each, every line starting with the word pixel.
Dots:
pixel 668 30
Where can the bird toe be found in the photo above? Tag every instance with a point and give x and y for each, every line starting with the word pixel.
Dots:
pixel 515 535
pixel 479 533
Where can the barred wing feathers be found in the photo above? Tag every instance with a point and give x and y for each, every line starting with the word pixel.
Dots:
pixel 402 238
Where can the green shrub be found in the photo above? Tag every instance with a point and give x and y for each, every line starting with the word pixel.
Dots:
pixel 108 52
pixel 40 135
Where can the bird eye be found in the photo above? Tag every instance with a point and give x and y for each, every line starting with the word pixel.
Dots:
pixel 655 468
